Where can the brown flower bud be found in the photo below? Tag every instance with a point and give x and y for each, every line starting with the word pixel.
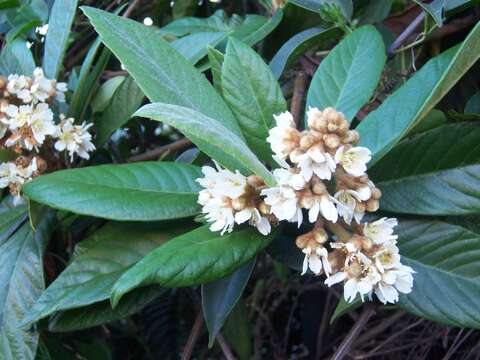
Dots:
pixel 319 188
pixel 239 204
pixel 331 141
pixel 306 141
pixel 302 240
pixel 320 235
pixel 255 182
pixel 264 208
pixel 372 205
pixel 3 82
pixel 376 193
pixel 41 165
pixel 351 137
pixel 336 259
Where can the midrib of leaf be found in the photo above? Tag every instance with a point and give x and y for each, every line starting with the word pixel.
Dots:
pixel 359 50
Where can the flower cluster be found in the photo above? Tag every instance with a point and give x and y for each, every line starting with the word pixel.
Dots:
pixel 322 173
pixel 27 126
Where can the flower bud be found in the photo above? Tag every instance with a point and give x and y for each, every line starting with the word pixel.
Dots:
pixel 264 208
pixel 306 141
pixel 3 82
pixel 319 188
pixel 302 240
pixel 376 193
pixel 41 165
pixel 331 141
pixel 295 154
pixel 351 137
pixel 239 204
pixel 373 205
pixel 336 260
pixel 320 235
pixel 355 270
pixel 255 182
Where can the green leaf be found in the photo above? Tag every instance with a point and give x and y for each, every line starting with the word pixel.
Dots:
pixel 159 70
pixel 21 283
pixel 184 8
pixel 375 12
pixel 317 5
pixel 388 124
pixel 59 24
pixel 126 100
pixel 216 59
pixel 297 45
pixel 194 46
pixel 343 308
pixel 190 25
pixel 102 313
pixel 98 263
pixel 197 257
pixel 10 219
pixel 220 296
pixel 435 173
pixel 473 105
pixel 210 136
pixel 238 331
pixel 255 28
pixel 253 94
pixel 433 119
pixel 446 285
pixel 349 75
pixel 140 192
pixel 105 93
pixel 16 58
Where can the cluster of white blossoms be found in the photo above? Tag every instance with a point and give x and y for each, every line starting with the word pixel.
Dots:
pixel 27 126
pixel 322 173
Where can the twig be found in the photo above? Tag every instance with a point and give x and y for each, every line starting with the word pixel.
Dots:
pixel 157 152
pixel 131 7
pixel 323 325
pixel 225 348
pixel 193 337
pixel 299 87
pixel 347 343
pixel 406 33
pixel 380 328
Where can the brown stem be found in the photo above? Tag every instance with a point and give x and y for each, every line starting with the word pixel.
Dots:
pixel 193 337
pixel 131 7
pixel 342 234
pixel 225 348
pixel 349 340
pixel 406 33
pixel 157 152
pixel 299 87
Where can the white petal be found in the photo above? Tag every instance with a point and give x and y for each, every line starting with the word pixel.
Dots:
pixel 329 211
pixel 315 265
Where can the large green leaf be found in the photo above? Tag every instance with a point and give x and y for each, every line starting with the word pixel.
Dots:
pixel 159 70
pixel 141 192
pixel 126 100
pixel 102 313
pixel 59 24
pixel 16 58
pixel 98 263
pixel 253 94
pixel 435 173
pixel 197 257
pixel 256 28
pixel 348 76
pixel 299 44
pixel 21 283
pixel 220 296
pixel 190 25
pixel 388 124
pixel 216 59
pixel 446 259
pixel 10 219
pixel 210 136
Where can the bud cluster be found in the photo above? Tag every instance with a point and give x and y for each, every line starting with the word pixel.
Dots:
pixel 323 173
pixel 27 126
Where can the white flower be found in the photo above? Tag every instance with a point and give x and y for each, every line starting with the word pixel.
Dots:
pixel 8 174
pixel 74 138
pixel 316 260
pixel 18 116
pixel 16 83
pixel 283 202
pixel 347 204
pixel 324 204
pixel 284 137
pixel 42 30
pixel 148 21
pixel 289 178
pixel 353 160
pixel 220 213
pixel 14 176
pixel 387 257
pixel 41 123
pixel 252 215
pixel 315 161
pixel 61 88
pixel 381 231
pixel 3 127
pixel 394 281
pixel 42 88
